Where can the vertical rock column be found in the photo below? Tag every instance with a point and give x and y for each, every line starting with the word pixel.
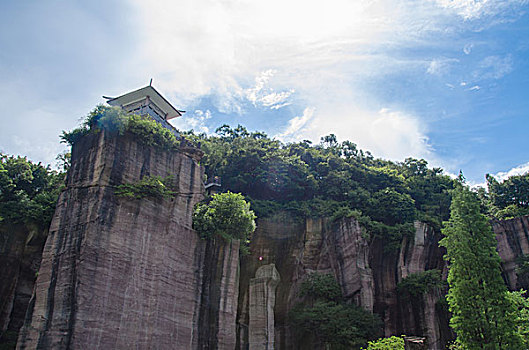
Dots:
pixel 119 273
pixel 262 302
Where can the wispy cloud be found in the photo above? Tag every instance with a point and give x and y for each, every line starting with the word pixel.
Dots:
pixel 387 133
pixel 519 170
pixel 468 48
pixel 196 121
pixel 296 126
pixel 440 66
pixel 309 55
pixel 262 94
pixel 494 67
pixel 475 9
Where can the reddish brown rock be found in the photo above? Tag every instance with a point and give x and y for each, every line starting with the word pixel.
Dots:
pixel 119 273
pixel 20 254
pixel 262 294
pixel 367 273
pixel 513 244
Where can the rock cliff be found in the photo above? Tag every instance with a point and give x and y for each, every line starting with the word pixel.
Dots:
pixel 262 295
pixel 131 274
pixel 367 273
pixel 513 244
pixel 20 254
pixel 119 273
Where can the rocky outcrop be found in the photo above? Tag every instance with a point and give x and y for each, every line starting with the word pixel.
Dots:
pixel 513 245
pixel 367 272
pixel 425 315
pixel 20 254
pixel 261 309
pixel 118 273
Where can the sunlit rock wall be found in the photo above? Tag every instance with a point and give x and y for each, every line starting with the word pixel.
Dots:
pixel 118 273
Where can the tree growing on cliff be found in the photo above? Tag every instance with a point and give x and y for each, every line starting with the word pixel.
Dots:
pixel 226 215
pixel 482 314
pixel 509 198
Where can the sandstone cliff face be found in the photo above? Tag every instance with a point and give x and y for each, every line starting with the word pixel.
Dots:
pixel 513 244
pixel 130 274
pixel 20 255
pixel 262 294
pixel 366 272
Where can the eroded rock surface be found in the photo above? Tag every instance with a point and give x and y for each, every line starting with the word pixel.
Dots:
pixel 513 244
pixel 367 273
pixel 118 273
pixel 20 254
pixel 261 309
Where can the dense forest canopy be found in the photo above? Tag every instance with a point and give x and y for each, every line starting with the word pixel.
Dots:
pixel 28 191
pixel 329 179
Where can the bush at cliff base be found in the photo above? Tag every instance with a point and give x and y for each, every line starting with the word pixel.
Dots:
pixel 325 318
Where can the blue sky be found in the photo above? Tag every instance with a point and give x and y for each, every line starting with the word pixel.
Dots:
pixel 444 80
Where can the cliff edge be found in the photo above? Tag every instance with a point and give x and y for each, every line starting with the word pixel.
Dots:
pixel 121 273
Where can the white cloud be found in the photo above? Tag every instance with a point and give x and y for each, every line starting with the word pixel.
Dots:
pixel 199 47
pixel 196 122
pixel 475 9
pixel 440 66
pixel 475 88
pixel 504 175
pixel 326 56
pixel 519 170
pixel 262 94
pixel 386 133
pixel 295 125
pixel 494 67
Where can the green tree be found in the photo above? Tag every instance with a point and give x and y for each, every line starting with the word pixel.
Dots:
pixel 313 180
pixel 521 316
pixel 477 295
pixel 226 215
pixel 509 198
pixel 325 318
pixel 28 191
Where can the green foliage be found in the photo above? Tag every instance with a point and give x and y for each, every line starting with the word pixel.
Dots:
pixel 477 295
pixel 509 198
pixel 330 179
pixel 523 267
pixel 392 207
pixel 391 343
pixel 338 326
pixel 321 286
pixel 521 315
pixel 226 215
pixel 416 284
pixel 115 120
pixel 315 208
pixel 148 187
pixel 325 318
pixel 28 191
